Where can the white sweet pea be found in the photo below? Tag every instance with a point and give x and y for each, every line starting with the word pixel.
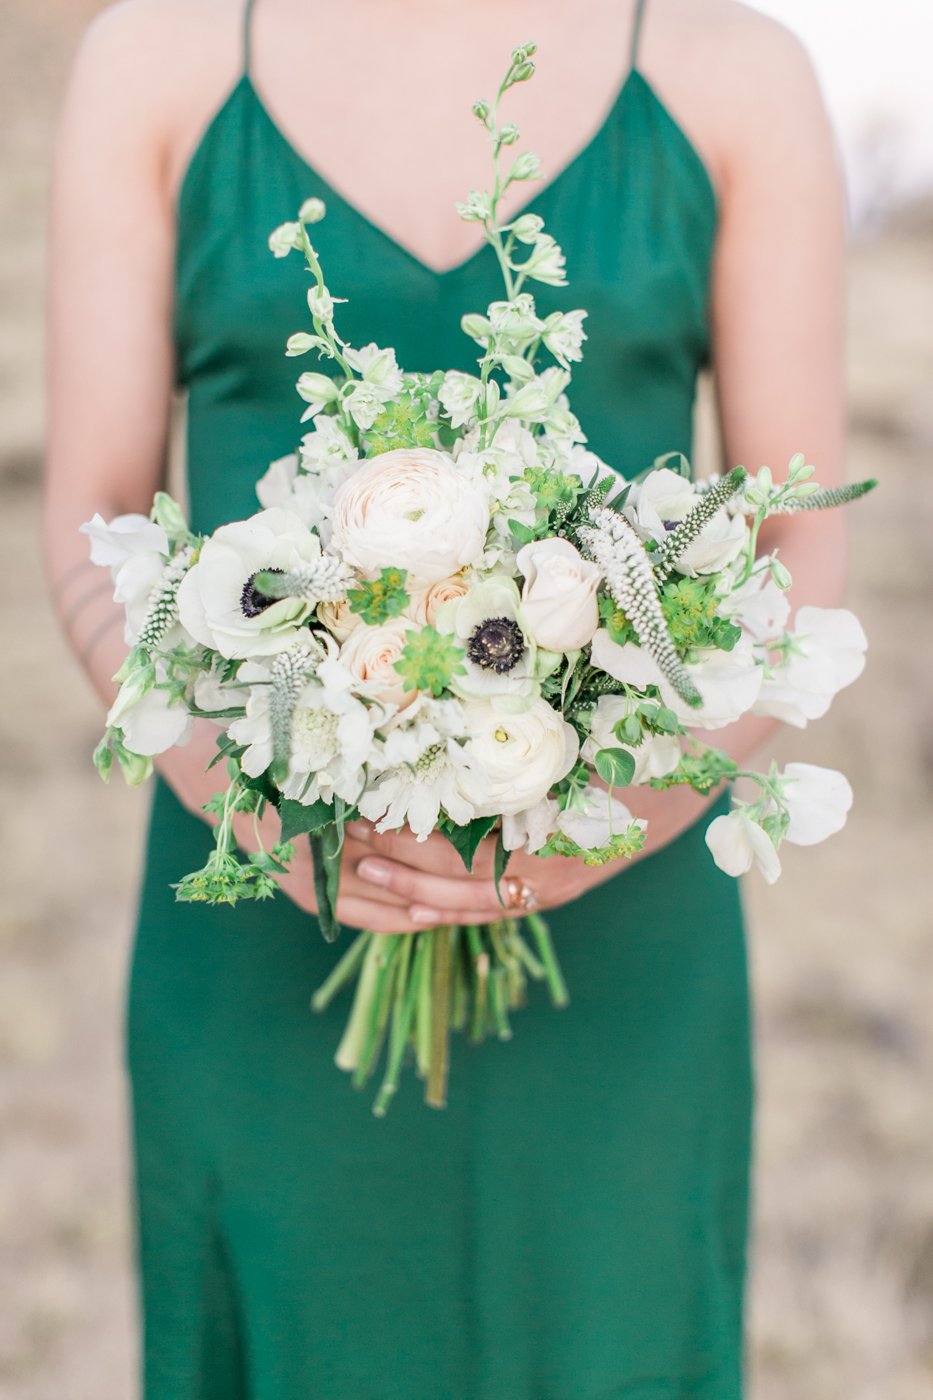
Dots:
pixel 828 654
pixel 411 509
pixel 153 724
pixel 519 756
pixel 737 843
pixel 818 801
pixel 656 755
pixel 123 538
pixel 459 395
pixel 559 594
pixel 759 606
pixel 595 818
pixel 217 600
pixel 531 829
pixel 728 681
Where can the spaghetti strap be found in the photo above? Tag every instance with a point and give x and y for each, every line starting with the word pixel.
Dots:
pixel 247 35
pixel 636 31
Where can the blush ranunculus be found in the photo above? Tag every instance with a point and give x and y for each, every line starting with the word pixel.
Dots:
pixel 409 509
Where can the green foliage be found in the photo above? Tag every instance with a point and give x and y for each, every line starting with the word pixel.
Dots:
pixel 615 766
pixel 298 819
pixel 701 771
pixel 466 839
pixel 617 624
pixel 622 845
pixel 226 879
pixel 429 661
pixel 689 608
pixel 405 422
pixel 376 600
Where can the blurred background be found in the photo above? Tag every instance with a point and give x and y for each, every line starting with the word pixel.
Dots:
pixel 842 947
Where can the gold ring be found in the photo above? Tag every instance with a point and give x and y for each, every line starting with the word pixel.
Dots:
pixel 519 896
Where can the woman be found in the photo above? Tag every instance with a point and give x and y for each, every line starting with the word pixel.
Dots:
pixel 574 1224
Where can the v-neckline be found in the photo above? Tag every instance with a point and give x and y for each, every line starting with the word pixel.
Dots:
pixel 327 187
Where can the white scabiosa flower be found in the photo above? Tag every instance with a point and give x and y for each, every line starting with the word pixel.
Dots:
pixel 420 771
pixel 827 653
pixel 219 602
pixel 817 800
pixel 737 843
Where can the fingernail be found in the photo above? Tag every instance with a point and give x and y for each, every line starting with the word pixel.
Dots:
pixel 423 915
pixel 375 871
pixel 358 829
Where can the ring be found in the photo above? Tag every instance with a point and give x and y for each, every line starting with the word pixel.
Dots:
pixel 519 896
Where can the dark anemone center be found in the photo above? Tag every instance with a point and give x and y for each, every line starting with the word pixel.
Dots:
pixel 496 644
pixel 252 601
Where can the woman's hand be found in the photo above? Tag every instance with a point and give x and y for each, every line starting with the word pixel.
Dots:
pixel 430 879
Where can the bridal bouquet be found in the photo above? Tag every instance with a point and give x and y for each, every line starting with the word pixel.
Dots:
pixel 450 616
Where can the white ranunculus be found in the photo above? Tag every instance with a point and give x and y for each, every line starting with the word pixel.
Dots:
pixel 559 594
pixel 828 654
pixel 658 504
pixel 817 800
pixel 595 818
pixel 409 509
pixel 656 755
pixel 728 681
pixel 520 756
pixel 370 654
pixel 424 603
pixel 214 600
pixel 737 843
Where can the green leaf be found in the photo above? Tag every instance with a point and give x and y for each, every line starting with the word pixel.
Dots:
pixel 523 534
pixel 500 862
pixel 466 839
pixel 297 818
pixel 615 766
pixel 326 846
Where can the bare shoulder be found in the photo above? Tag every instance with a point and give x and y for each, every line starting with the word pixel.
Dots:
pixel 743 85
pixel 160 65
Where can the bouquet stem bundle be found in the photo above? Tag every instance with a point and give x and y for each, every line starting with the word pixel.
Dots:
pixel 413 989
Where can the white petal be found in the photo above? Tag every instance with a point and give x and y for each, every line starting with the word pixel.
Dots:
pixel 818 801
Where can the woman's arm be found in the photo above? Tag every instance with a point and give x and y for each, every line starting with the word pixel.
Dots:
pixel 777 321
pixel 111 369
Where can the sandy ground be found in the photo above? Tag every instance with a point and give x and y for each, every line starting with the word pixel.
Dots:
pixel 842 1303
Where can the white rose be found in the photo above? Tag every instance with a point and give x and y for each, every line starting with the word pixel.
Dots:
pixel 817 800
pixel 737 843
pixel 370 654
pixel 218 602
pixel 338 619
pixel 520 756
pixel 411 509
pixel 424 602
pixel 559 594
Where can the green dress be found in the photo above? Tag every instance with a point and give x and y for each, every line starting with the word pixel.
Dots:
pixel 573 1225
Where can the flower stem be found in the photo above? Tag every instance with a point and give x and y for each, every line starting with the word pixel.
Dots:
pixel 436 1094
pixel 555 979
